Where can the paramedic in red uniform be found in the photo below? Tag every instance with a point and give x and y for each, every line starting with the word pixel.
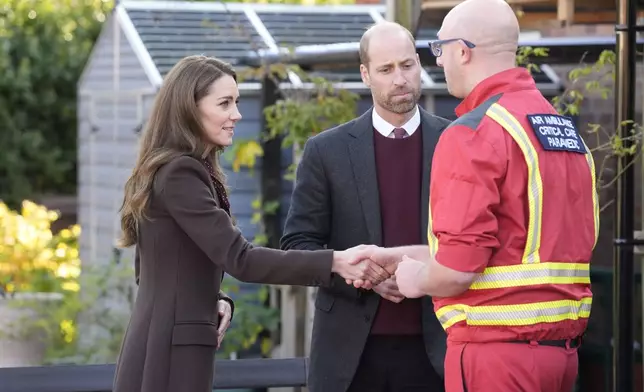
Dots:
pixel 513 218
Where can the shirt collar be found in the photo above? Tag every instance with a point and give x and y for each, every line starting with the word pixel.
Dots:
pixel 385 129
pixel 514 79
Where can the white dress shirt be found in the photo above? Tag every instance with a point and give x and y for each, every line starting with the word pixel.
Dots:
pixel 387 130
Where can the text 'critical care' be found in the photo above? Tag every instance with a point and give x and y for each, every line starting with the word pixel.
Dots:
pixel 556 133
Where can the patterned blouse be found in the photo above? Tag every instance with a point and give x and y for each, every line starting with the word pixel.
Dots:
pixel 219 188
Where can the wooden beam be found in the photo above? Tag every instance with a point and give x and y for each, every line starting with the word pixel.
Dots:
pixel 540 19
pixel 406 13
pixel 566 12
pixel 447 4
pixel 586 4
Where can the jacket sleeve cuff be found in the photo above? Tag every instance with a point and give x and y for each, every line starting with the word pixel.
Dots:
pixel 463 258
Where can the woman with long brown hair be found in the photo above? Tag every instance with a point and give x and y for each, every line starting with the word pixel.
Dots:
pixel 176 212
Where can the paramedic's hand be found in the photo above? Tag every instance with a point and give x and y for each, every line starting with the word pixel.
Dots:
pixel 355 265
pixel 226 315
pixel 366 253
pixel 385 258
pixel 389 290
pixel 408 276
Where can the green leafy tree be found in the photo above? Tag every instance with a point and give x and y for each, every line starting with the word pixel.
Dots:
pixel 297 115
pixel 44 45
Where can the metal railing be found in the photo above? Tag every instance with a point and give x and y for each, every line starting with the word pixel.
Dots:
pixel 229 374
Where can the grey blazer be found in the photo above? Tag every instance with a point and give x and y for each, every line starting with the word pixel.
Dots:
pixel 335 204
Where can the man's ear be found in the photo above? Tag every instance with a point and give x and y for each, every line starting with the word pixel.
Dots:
pixel 364 74
pixel 466 54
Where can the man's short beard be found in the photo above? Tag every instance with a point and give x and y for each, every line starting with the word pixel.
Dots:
pixel 401 107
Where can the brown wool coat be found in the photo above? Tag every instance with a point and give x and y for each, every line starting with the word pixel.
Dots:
pixel 183 251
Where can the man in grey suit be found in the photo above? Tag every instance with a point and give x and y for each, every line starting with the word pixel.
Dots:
pixel 367 182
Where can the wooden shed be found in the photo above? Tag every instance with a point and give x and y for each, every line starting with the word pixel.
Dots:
pixel 139 43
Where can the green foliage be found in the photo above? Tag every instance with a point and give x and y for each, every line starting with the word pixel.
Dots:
pixel 89 326
pixel 525 53
pixel 307 112
pixel 260 210
pixel 93 320
pixel 81 313
pixel 44 47
pixel 41 279
pixel 299 114
pixel 596 79
pixel 252 317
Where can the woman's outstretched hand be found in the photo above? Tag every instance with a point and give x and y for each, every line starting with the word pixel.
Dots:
pixel 355 264
pixel 381 257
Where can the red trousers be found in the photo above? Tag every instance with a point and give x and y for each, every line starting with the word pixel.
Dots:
pixel 509 367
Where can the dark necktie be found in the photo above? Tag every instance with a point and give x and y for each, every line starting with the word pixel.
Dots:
pixel 399 133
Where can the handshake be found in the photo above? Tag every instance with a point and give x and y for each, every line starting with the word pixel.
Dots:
pixel 365 266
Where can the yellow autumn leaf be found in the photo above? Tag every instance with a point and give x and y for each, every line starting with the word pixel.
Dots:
pixel 68 330
pixel 71 286
pixel 246 154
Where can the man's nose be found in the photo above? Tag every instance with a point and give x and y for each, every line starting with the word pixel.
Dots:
pixel 399 78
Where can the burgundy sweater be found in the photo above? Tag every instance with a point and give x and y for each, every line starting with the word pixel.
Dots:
pixel 399 166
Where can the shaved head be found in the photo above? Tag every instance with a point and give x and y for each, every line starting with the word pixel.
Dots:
pixel 474 46
pixel 471 20
pixel 381 32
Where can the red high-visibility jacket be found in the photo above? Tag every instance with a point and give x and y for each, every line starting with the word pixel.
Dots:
pixel 513 197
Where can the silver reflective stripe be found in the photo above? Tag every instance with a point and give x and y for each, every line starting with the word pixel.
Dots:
pixel 452 316
pixel 520 316
pixel 516 315
pixel 542 273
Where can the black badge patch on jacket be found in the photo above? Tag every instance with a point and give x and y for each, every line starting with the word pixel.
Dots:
pixel 556 133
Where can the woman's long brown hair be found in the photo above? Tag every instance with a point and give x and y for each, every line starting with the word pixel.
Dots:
pixel 173 129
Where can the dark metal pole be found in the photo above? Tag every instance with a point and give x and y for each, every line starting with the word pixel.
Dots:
pixel 623 280
pixel 271 173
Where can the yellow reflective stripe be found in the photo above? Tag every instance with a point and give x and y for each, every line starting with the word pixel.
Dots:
pixel 515 315
pixel 593 176
pixel 535 186
pixel 431 238
pixel 532 274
